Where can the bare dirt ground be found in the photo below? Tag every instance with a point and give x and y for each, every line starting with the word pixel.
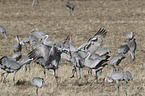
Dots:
pixel 118 17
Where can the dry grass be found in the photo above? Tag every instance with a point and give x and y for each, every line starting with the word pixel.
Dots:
pixel 118 17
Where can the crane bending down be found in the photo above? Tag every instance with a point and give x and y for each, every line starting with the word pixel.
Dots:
pixel 37 82
pixel 71 7
pixel 120 76
pixel 3 31
pixel 10 66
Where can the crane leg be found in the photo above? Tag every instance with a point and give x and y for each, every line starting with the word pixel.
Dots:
pixel 44 73
pixel 24 66
pixel 29 68
pixel 118 87
pixel 2 74
pixel 56 75
pixel 118 68
pixel 126 87
pixel 37 91
pixel 131 53
pixel 5 78
pixel 14 77
pixel 33 2
pixel 74 70
pixel 96 78
pixel 72 11
pixel 5 35
pixel 80 72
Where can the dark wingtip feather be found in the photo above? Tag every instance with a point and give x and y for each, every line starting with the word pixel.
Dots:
pixel 102 32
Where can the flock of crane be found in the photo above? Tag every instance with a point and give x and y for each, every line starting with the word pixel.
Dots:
pixel 49 53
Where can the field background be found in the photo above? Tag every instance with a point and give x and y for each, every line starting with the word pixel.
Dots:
pixel 118 17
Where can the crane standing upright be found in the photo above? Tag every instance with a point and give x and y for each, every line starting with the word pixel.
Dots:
pixel 37 82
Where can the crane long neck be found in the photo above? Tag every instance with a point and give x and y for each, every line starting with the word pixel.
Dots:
pixel 45 39
pixel 89 54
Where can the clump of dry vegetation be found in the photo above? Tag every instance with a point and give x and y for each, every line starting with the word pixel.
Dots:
pixel 52 17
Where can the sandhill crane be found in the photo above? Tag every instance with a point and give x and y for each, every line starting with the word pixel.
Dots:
pixel 120 76
pixel 3 31
pixel 71 54
pixel 54 59
pixel 129 36
pixel 132 47
pixel 17 48
pixel 34 2
pixel 71 7
pixel 96 64
pixel 37 82
pixel 115 60
pixel 123 49
pixel 10 66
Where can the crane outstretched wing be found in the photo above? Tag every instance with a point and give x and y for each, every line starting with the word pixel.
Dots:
pixel 94 42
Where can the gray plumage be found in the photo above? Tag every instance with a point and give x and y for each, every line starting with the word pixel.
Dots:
pixel 17 48
pixel 78 63
pixel 33 41
pixel 37 82
pixel 71 7
pixel 54 59
pixel 103 51
pixel 123 49
pixel 120 76
pixel 132 47
pixel 38 34
pixel 3 31
pixel 40 51
pixel 129 36
pixel 10 66
pixel 96 64
pixel 70 53
pixel 115 61
pixel 94 42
